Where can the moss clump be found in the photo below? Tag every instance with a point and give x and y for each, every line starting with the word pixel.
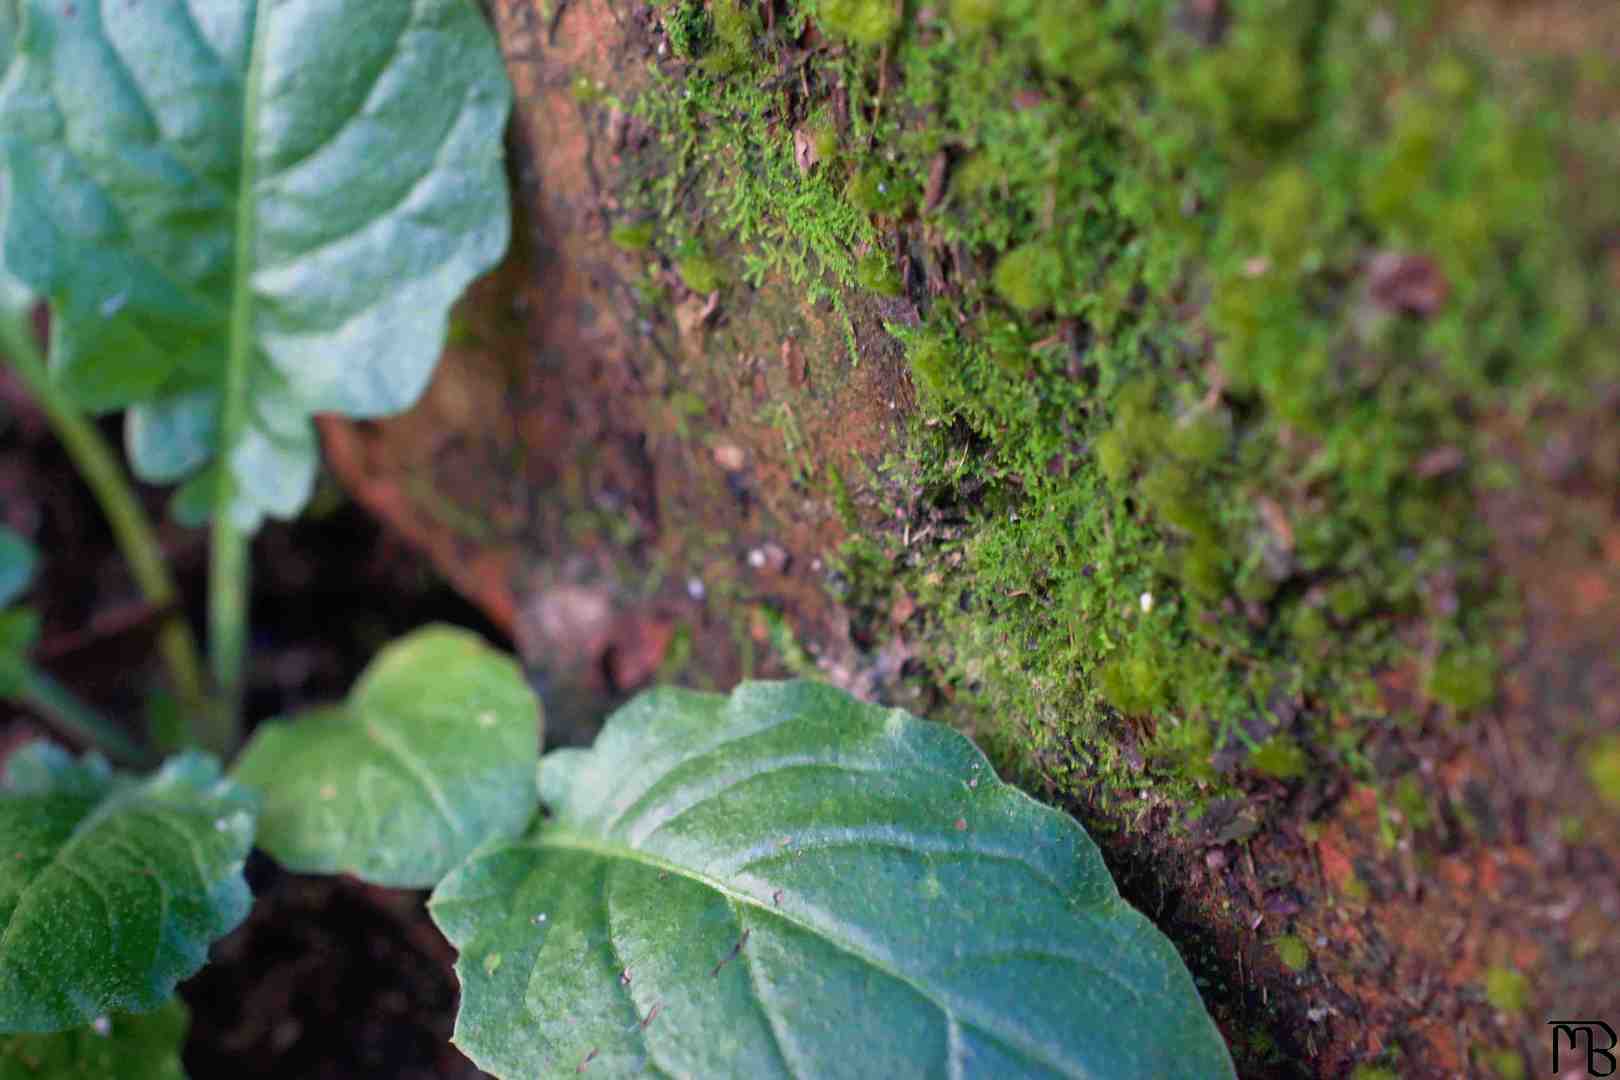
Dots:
pixel 688 27
pixel 1374 1072
pixel 1504 1063
pixel 1294 953
pixel 701 273
pixel 1603 770
pixel 1135 683
pixel 878 189
pixel 1507 989
pixel 1279 757
pixel 865 22
pixel 973 16
pixel 632 236
pixel 876 273
pixel 1462 681
pixel 934 367
pixel 1028 277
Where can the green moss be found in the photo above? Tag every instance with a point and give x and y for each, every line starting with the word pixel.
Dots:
pixel 973 16
pixel 701 273
pixel 1028 277
pixel 1293 952
pixel 1504 1063
pixel 876 273
pixel 1199 439
pixel 865 22
pixel 878 189
pixel 1374 1072
pixel 1603 770
pixel 1114 456
pixel 688 27
pixel 632 236
pixel 1462 680
pixel 1279 757
pixel 1413 803
pixel 934 367
pixel 1507 989
pixel 1136 683
pixel 1249 462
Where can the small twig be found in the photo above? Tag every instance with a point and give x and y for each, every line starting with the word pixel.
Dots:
pixel 732 955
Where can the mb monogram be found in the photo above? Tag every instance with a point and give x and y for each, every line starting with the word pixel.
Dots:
pixel 1600 1059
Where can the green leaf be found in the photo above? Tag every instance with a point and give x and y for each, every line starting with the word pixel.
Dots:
pixel 112 887
pixel 789 882
pixel 302 187
pixel 433 754
pixel 145 1047
pixel 17 562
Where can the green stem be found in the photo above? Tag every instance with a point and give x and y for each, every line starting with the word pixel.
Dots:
pixel 57 705
pixel 131 529
pixel 228 566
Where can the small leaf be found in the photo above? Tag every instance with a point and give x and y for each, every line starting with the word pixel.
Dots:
pixel 433 754
pixel 112 887
pixel 145 1047
pixel 17 562
pixel 302 187
pixel 789 882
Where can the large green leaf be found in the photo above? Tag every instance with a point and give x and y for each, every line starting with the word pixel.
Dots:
pixel 144 1047
pixel 433 754
pixel 112 887
pixel 789 882
pixel 305 185
pixel 17 562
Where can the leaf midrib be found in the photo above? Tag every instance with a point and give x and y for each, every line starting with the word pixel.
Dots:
pixel 567 841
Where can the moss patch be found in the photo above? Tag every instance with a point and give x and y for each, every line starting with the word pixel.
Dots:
pixel 1201 317
pixel 1293 952
pixel 1507 989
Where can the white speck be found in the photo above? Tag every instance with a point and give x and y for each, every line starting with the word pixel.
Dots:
pixel 102 1026
pixel 695 589
pixel 486 719
pixel 973 783
pixel 114 304
pixel 328 791
pixel 756 558
pixel 221 825
pixel 1147 602
pixel 540 918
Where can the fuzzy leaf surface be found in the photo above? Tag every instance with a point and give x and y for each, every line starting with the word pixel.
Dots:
pixel 140 1047
pixel 789 882
pixel 112 887
pixel 432 754
pixel 306 184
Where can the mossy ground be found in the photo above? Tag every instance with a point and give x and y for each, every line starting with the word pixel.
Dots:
pixel 1202 313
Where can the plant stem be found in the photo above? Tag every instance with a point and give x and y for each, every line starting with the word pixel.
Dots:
pixel 56 704
pixel 131 529
pixel 228 566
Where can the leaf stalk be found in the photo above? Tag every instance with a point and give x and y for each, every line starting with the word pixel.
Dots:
pixel 132 530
